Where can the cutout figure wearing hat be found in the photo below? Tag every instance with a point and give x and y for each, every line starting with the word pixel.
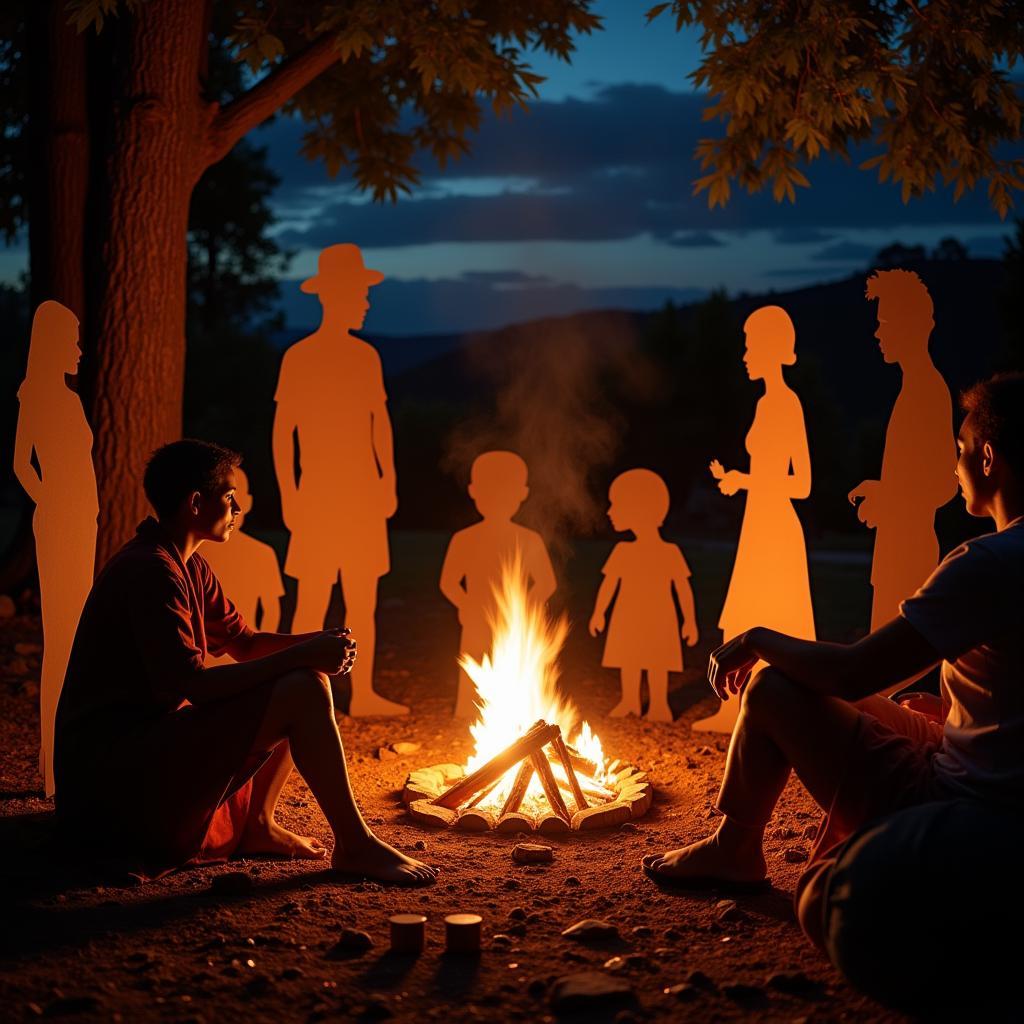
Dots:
pixel 333 454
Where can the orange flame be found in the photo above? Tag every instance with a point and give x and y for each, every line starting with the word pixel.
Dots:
pixel 517 685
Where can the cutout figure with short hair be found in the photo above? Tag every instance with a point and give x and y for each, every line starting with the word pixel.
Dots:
pixel 53 463
pixel 162 762
pixel 920 455
pixel 334 459
pixel 770 584
pixel 475 558
pixel 816 708
pixel 247 570
pixel 641 575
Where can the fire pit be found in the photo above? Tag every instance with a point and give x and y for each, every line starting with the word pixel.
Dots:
pixel 523 775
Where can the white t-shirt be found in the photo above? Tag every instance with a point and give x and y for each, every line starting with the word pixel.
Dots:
pixel 971 611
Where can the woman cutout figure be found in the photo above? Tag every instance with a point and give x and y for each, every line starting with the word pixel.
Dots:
pixel 770 584
pixel 53 463
pixel 644 633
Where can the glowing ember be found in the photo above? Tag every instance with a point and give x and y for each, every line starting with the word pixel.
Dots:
pixel 517 686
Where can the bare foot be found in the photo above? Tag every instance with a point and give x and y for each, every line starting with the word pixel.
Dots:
pixel 370 704
pixel 277 841
pixel 376 859
pixel 659 713
pixel 706 861
pixel 622 709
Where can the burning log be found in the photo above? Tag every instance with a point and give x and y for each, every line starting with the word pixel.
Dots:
pixel 528 744
pixel 579 763
pixel 519 787
pixel 547 780
pixel 574 784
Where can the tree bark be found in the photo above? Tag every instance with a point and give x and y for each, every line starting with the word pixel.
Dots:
pixel 138 331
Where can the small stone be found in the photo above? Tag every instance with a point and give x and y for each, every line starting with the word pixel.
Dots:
pixel 783 832
pixel 572 882
pixel 518 929
pixel 351 942
pixel 517 914
pixel 628 826
pixel 672 934
pixel 419 845
pixel 532 853
pixel 386 754
pixel 590 990
pixel 591 929
pixel 700 980
pixel 425 813
pixel 502 939
pixel 684 992
pixel 616 963
pixel 231 884
pixel 642 931
pixel 8 609
pixel 404 748
pixel 292 973
pixel 811 832
pixel 704 751
pixel 794 855
pixel 727 910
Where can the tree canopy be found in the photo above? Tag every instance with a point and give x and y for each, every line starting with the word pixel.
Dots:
pixel 926 85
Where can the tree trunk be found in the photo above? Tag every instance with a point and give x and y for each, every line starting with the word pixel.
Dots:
pixel 138 330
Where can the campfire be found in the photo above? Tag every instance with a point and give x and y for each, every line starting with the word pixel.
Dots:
pixel 537 765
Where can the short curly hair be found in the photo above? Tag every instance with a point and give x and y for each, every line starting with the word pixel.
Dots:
pixel 181 467
pixel 997 405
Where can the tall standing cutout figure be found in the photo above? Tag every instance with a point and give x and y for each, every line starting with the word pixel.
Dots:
pixel 247 571
pixel 333 455
pixel 473 564
pixel 919 461
pixel 770 585
pixel 53 463
pixel 644 633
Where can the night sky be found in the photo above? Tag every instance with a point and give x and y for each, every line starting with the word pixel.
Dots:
pixel 585 202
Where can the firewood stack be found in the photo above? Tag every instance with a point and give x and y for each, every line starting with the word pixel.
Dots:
pixel 534 752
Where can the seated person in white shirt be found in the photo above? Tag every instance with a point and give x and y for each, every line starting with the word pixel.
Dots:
pixel 861 756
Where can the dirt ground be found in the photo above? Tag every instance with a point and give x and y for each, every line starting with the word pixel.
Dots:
pixel 264 948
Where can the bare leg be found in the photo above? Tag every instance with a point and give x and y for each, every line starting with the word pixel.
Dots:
pixel 311 602
pixel 465 700
pixel 781 725
pixel 263 834
pixel 301 710
pixel 630 703
pixel 360 616
pixel 658 710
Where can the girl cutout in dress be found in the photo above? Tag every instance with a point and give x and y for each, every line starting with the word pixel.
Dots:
pixel 644 633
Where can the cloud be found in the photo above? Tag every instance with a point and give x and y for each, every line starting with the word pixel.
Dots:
pixel 846 252
pixel 609 167
pixel 694 240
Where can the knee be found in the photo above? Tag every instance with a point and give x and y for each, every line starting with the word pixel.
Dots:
pixel 307 690
pixel 766 693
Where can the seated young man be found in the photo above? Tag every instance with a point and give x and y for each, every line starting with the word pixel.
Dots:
pixel 860 756
pixel 161 762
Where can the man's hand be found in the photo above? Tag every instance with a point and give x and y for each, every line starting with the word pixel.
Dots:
pixel 867 493
pixel 729 480
pixel 730 665
pixel 288 503
pixel 332 652
pixel 597 623
pixel 389 499
pixel 689 632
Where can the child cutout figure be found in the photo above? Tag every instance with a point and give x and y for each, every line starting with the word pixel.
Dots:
pixel 472 566
pixel 645 632
pixel 248 572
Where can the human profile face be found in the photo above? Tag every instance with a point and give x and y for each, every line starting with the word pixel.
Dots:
pixel 215 512
pixel 974 469
pixel 74 349
pixel 349 306
pixel 754 358
pixel 891 334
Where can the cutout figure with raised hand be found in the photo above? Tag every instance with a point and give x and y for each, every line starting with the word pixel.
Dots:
pixel 53 463
pixel 476 555
pixel 644 633
pixel 248 571
pixel 770 584
pixel 334 458
pixel 919 460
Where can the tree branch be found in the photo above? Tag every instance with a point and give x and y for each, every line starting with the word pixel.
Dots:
pixel 241 115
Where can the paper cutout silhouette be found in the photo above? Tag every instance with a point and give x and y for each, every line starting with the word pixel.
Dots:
pixel 919 461
pixel 53 463
pixel 770 585
pixel 644 634
pixel 333 455
pixel 472 565
pixel 247 570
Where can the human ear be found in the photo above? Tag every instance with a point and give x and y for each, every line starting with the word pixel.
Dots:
pixel 987 457
pixel 193 502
